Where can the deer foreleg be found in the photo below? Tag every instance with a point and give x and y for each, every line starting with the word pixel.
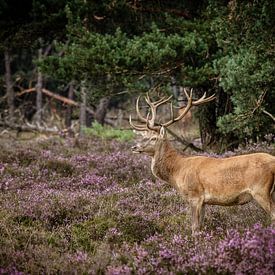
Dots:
pixel 202 215
pixel 196 210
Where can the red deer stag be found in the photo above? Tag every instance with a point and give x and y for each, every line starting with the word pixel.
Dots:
pixel 205 180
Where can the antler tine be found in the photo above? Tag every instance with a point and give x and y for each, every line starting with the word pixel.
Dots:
pixel 186 93
pixel 153 109
pixel 138 112
pixel 203 99
pixel 158 101
pixel 154 106
pixel 187 108
pixel 147 96
pixel 171 110
pixel 151 127
pixel 137 127
pixel 190 103
pixel 162 101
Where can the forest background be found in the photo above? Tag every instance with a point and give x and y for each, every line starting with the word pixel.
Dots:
pixel 105 53
pixel 91 206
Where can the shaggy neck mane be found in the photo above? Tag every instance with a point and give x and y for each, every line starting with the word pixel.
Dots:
pixel 165 160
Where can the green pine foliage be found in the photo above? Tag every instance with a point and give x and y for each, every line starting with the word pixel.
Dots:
pixel 245 34
pixel 221 47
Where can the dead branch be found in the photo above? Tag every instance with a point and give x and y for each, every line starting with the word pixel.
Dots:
pixel 26 91
pixel 47 50
pixel 51 94
pixel 58 97
pixel 28 127
pixel 269 114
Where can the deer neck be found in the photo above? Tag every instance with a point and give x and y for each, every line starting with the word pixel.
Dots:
pixel 164 161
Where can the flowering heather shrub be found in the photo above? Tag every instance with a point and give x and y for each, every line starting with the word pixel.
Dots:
pixel 94 207
pixel 262 147
pixel 59 166
pixel 250 252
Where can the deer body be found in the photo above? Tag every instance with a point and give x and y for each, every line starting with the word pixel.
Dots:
pixel 204 180
pixel 227 181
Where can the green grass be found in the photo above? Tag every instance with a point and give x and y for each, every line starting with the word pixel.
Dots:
pixel 108 132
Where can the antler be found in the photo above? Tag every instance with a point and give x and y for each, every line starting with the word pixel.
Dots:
pixel 138 127
pixel 190 103
pixel 150 123
pixel 154 106
pixel 138 112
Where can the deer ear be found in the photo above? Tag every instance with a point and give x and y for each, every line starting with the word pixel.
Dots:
pixel 162 132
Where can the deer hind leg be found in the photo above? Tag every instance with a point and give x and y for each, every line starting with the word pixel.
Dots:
pixel 264 201
pixel 273 212
pixel 272 195
pixel 273 208
pixel 196 210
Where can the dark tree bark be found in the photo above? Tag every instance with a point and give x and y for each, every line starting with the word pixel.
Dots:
pixel 82 117
pixel 38 87
pixel 101 110
pixel 9 86
pixel 174 87
pixel 224 106
pixel 104 103
pixel 68 115
pixel 207 122
pixel 208 116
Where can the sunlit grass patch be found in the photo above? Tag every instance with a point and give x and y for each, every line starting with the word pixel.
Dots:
pixel 109 132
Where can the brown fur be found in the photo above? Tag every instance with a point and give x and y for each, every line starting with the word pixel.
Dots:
pixel 203 180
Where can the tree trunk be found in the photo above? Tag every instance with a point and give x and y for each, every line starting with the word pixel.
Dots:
pixel 38 87
pixel 9 86
pixel 104 102
pixel 68 115
pixel 224 106
pixel 207 122
pixel 181 98
pixel 174 87
pixel 101 110
pixel 82 117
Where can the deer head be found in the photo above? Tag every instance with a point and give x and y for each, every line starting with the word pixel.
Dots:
pixel 204 180
pixel 154 133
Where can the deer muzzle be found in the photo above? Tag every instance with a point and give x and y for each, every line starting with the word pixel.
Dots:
pixel 136 149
